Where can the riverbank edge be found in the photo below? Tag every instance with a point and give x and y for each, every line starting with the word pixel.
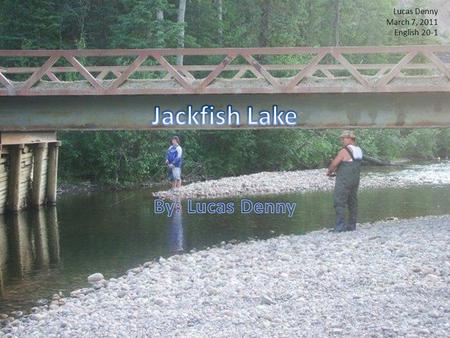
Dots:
pixel 58 301
pixel 287 182
pixel 76 186
pixel 68 187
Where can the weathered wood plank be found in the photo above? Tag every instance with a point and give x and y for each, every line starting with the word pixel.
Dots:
pixel 38 167
pixel 3 186
pixel 39 73
pixel 14 180
pixel 52 172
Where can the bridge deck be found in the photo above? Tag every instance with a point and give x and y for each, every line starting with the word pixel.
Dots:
pixel 225 71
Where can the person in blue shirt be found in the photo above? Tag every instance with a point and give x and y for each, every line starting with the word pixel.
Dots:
pixel 174 161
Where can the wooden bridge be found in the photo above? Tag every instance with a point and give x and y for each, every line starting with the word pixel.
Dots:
pixel 225 71
pixel 329 87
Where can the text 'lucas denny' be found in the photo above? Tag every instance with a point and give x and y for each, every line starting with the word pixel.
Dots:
pixel 245 206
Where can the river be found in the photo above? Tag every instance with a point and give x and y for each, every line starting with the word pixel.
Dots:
pixel 54 249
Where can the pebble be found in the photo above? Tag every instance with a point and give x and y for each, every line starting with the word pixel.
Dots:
pixel 435 314
pixel 42 301
pixel 121 294
pixel 266 300
pixel 270 288
pixel 95 278
pixel 17 314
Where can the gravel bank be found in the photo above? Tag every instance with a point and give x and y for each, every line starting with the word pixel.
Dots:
pixel 306 180
pixel 389 278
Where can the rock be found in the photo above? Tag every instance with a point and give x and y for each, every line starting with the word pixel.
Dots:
pixel 435 314
pixel 427 270
pixel 160 301
pixel 135 270
pixel 98 286
pixel 95 278
pixel 75 293
pixel 17 314
pixel 391 218
pixel 430 278
pixel 42 301
pixel 37 316
pixel 266 300
pixel 86 291
pixel 423 331
pixel 337 331
pixel 212 290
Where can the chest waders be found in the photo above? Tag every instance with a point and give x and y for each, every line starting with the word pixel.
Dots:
pixel 346 193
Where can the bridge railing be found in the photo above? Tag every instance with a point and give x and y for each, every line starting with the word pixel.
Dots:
pixel 225 70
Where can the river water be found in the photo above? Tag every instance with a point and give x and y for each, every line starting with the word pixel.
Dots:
pixel 54 249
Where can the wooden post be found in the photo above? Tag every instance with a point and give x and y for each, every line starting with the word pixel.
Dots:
pixel 4 247
pixel 3 182
pixel 37 186
pixel 52 172
pixel 14 178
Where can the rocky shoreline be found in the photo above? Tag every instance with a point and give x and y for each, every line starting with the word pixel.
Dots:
pixel 268 183
pixel 389 278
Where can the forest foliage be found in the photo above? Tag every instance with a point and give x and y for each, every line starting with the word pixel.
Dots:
pixel 133 156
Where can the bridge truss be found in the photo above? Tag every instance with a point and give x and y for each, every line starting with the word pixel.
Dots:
pixel 384 69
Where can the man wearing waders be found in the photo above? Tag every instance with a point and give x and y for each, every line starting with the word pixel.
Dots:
pixel 346 165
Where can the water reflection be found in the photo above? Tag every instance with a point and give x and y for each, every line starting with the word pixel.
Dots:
pixel 40 252
pixel 43 252
pixel 21 254
pixel 29 241
pixel 176 236
pixel 53 235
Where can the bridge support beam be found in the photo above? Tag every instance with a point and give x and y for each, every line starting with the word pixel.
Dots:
pixel 52 172
pixel 351 110
pixel 38 166
pixel 15 161
pixel 28 169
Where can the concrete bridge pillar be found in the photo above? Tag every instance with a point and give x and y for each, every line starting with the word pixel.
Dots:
pixel 28 169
